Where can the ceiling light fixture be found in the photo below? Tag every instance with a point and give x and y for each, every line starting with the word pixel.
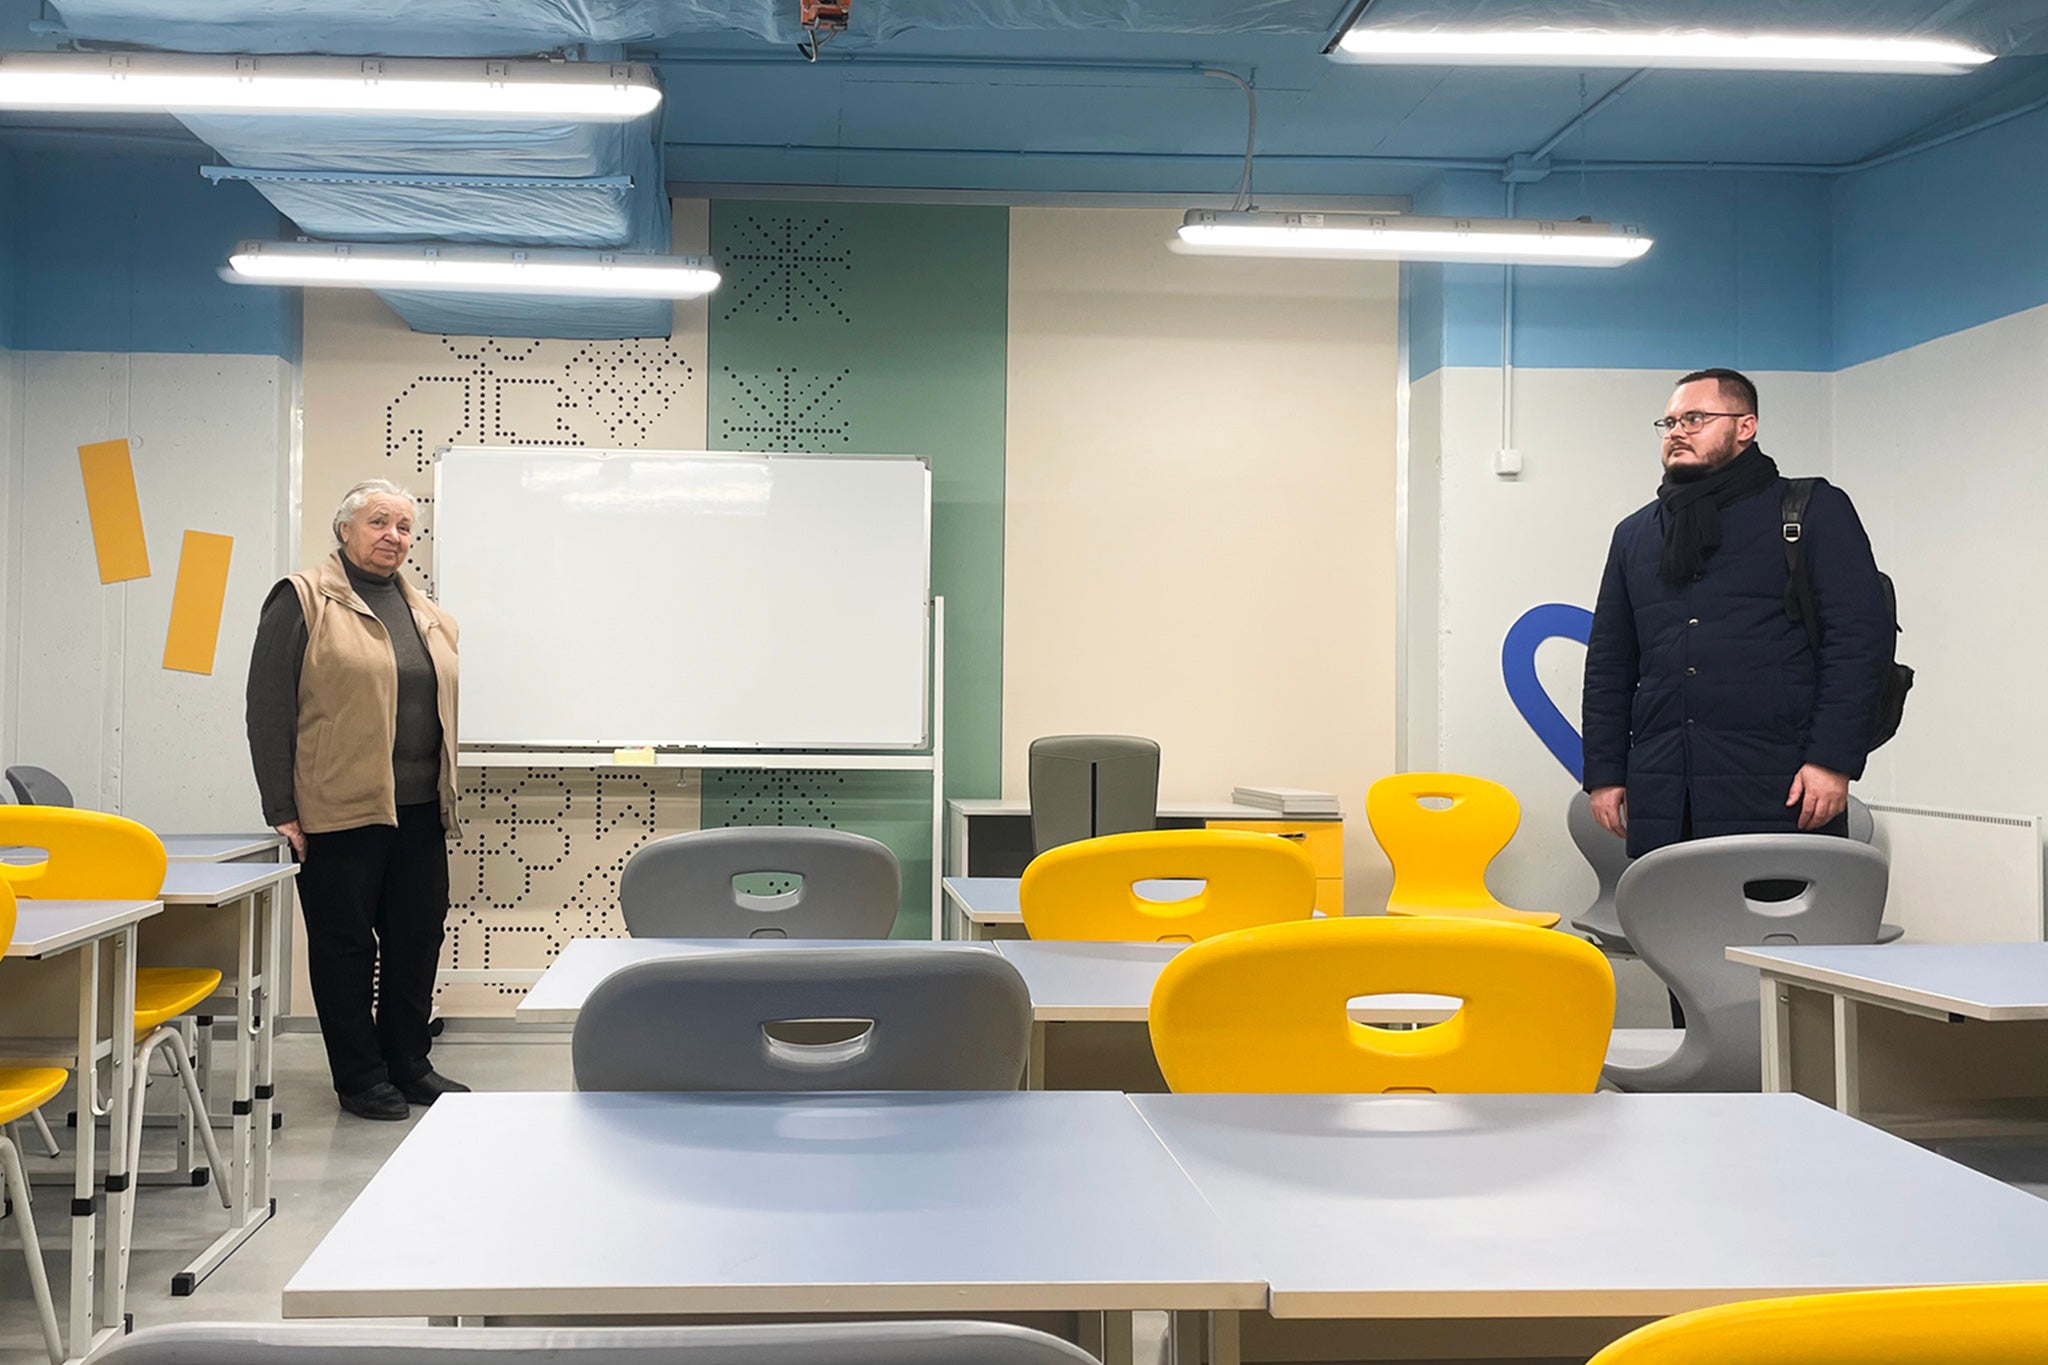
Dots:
pixel 473 269
pixel 1697 50
pixel 420 87
pixel 1379 237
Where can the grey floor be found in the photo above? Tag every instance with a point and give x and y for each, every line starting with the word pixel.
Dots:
pixel 322 1159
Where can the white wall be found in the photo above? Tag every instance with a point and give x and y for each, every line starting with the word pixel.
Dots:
pixel 1506 545
pixel 1941 446
pixel 11 474
pixel 88 695
pixel 1199 513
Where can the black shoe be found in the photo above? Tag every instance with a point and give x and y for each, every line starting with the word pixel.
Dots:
pixel 431 1087
pixel 380 1101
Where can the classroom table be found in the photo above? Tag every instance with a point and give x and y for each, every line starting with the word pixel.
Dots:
pixel 558 996
pixel 268 846
pixel 39 991
pixel 594 1206
pixel 1572 1215
pixel 986 907
pixel 1928 1040
pixel 231 916
pixel 1095 987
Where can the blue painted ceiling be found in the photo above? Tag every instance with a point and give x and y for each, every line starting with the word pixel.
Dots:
pixel 1105 95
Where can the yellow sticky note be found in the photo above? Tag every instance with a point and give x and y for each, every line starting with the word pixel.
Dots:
pixel 196 602
pixel 115 510
pixel 640 757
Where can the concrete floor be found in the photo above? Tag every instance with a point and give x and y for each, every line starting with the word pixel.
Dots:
pixel 322 1159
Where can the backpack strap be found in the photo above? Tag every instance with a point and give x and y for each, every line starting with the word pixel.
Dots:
pixel 1799 603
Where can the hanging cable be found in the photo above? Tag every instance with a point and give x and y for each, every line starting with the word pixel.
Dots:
pixel 1243 200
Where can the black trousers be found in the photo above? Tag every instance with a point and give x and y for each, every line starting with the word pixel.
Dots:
pixel 376 906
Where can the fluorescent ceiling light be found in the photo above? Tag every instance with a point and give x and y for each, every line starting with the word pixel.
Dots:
pixel 419 87
pixel 1377 237
pixel 1702 50
pixel 473 269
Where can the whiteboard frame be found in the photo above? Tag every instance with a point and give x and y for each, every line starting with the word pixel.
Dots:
pixel 933 658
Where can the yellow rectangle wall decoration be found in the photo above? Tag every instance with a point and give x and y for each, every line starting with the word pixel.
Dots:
pixel 115 511
pixel 197 602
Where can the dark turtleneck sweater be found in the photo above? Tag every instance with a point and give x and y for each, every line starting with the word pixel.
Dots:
pixel 274 667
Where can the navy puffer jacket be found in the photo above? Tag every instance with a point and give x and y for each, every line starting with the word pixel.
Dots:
pixel 1706 697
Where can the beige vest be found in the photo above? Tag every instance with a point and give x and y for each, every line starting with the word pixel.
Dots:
pixel 348 704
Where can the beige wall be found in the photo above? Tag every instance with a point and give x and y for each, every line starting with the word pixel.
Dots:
pixel 1200 511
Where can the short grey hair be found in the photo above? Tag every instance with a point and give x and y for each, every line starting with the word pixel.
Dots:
pixel 357 498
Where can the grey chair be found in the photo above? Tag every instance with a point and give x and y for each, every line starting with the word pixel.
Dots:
pixel 852 1343
pixel 683 885
pixel 1608 857
pixel 1083 786
pixel 1683 906
pixel 35 786
pixel 936 1018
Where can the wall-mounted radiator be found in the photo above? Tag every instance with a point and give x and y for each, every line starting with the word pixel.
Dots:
pixel 1960 876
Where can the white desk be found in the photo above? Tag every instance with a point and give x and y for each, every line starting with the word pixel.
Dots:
pixel 1097 993
pixel 1925 1039
pixel 1112 983
pixel 944 1204
pixel 557 998
pixel 269 846
pixel 231 916
pixel 986 907
pixel 992 837
pixel 40 991
pixel 1582 1206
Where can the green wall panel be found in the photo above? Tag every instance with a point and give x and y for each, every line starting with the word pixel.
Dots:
pixel 877 329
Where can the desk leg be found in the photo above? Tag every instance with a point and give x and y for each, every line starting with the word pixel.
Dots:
pixel 246 1215
pixel 1184 1339
pixel 270 996
pixel 1117 1343
pixel 1848 1080
pixel 91 959
pixel 121 1162
pixel 1034 1066
pixel 1777 1035
pixel 1223 1342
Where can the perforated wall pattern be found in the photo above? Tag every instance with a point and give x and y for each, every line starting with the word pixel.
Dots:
pixel 539 865
pixel 542 848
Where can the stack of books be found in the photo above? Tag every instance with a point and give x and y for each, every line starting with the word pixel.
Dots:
pixel 1287 800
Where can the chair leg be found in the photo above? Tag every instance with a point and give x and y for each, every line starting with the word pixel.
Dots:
pixel 182 1065
pixel 32 1248
pixel 43 1130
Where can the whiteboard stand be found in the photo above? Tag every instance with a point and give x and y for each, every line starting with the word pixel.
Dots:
pixel 845 761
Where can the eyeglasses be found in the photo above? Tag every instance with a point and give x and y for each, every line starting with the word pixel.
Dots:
pixel 1691 421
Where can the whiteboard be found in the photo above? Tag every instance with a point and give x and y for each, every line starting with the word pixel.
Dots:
pixel 611 598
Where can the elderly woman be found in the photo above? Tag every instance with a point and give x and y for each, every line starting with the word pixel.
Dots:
pixel 352 732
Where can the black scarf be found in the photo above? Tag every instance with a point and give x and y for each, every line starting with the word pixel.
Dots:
pixel 1692 508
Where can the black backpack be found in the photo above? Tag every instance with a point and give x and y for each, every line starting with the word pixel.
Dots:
pixel 1800 606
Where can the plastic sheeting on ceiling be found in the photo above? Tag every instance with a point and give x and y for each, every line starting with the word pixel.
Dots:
pixel 499 27
pixel 403 179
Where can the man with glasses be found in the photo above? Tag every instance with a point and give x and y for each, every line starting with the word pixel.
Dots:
pixel 1707 711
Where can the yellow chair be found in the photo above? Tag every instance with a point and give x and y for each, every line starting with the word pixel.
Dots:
pixel 1088 890
pixel 2004 1324
pixel 1440 856
pixel 1264 1011
pixel 23 1090
pixel 91 855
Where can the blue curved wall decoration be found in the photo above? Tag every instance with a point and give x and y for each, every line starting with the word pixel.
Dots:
pixel 1551 621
